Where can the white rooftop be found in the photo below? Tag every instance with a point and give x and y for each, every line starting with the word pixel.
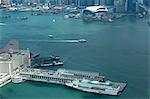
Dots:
pixel 96 8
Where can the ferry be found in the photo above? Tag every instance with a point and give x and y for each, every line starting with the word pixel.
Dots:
pixel 99 87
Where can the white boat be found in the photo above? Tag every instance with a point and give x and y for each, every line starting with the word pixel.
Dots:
pixel 105 87
pixel 17 79
pixel 82 40
pixel 50 36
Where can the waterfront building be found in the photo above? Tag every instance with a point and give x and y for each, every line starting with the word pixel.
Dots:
pixel 7 2
pixel 13 59
pixel 10 61
pixel 95 13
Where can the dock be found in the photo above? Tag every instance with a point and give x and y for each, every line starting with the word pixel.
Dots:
pixel 60 76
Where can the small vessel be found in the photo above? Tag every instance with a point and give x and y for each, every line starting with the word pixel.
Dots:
pixel 57 63
pixel 36 13
pixel 5 16
pixel 104 87
pixel 22 18
pixel 54 57
pixel 54 20
pixel 54 63
pixel 82 40
pixel 17 79
pixel 66 16
pixel 50 36
pixel 110 20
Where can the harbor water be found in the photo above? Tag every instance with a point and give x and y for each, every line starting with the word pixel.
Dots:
pixel 119 50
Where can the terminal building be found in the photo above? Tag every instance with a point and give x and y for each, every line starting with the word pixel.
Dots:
pixel 10 61
pixel 96 12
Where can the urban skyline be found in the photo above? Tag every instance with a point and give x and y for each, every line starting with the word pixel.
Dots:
pixel 119 5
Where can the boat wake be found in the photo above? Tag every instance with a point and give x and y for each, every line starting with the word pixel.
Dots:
pixel 2 24
pixel 53 41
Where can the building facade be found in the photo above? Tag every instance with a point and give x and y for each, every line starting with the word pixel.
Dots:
pixel 15 58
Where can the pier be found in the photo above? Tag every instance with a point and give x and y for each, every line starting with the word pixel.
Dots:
pixel 15 66
pixel 61 76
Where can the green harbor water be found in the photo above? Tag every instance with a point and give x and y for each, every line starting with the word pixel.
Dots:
pixel 118 50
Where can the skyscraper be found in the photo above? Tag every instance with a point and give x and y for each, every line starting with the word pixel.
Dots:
pixel 102 2
pixel 119 5
pixel 132 5
pixel 109 2
pixel 5 1
pixel 96 2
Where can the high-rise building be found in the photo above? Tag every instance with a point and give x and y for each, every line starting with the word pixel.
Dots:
pixel 119 5
pixel 146 2
pixel 5 1
pixel 96 2
pixel 131 5
pixel 102 2
pixel 109 2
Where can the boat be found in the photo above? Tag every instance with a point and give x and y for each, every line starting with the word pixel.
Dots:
pixel 5 16
pixel 22 18
pixel 50 36
pixel 82 40
pixel 66 16
pixel 54 63
pixel 36 13
pixel 54 57
pixel 53 20
pixel 17 79
pixel 57 63
pixel 104 87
